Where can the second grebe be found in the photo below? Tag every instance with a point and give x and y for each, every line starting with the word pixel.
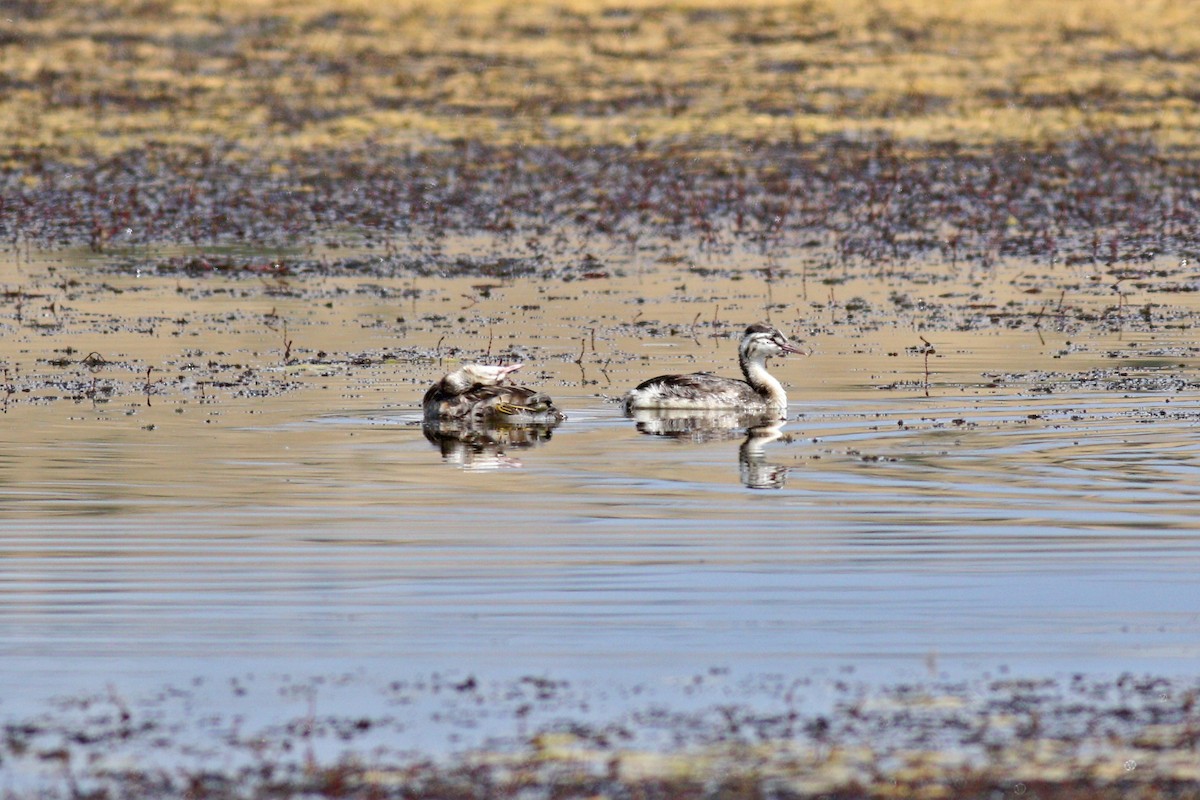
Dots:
pixel 703 390
pixel 478 393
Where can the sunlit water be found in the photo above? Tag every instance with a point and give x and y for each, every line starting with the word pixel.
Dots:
pixel 348 537
pixel 154 539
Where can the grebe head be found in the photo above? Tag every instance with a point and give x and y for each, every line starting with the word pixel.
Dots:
pixel 469 375
pixel 762 341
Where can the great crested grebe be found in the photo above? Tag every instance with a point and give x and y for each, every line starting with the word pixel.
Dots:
pixel 478 393
pixel 703 390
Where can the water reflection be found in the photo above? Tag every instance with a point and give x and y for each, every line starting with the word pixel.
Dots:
pixel 481 446
pixel 752 460
pixel 693 425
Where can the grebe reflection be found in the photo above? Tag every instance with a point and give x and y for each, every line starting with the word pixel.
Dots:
pixel 755 430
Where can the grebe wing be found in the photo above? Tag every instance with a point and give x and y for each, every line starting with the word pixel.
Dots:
pixel 692 380
pixel 698 388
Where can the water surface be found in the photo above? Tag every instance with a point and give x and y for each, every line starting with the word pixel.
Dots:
pixel 1028 505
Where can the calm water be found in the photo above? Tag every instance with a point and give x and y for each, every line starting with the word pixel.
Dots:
pixel 1042 524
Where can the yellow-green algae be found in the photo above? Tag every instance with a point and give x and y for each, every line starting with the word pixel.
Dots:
pixel 279 76
pixel 564 761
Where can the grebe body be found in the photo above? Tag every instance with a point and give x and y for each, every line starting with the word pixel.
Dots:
pixel 479 393
pixel 703 391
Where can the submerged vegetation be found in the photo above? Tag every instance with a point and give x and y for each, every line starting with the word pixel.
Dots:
pixel 1094 201
pixel 1067 739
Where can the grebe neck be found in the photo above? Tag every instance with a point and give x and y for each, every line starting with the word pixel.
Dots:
pixel 763 382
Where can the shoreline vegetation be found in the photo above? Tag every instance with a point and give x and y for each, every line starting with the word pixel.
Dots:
pixel 870 132
pixel 1068 738
pixel 90 80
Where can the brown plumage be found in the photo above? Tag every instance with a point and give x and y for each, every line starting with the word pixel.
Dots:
pixel 479 393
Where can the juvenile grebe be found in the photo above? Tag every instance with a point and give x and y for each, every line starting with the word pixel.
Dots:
pixel 703 390
pixel 478 393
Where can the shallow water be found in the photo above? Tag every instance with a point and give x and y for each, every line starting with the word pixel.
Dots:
pixel 1029 514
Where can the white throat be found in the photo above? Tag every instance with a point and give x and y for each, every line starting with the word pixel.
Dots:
pixel 765 384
